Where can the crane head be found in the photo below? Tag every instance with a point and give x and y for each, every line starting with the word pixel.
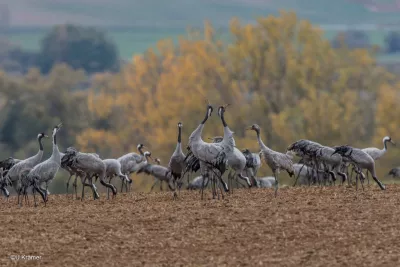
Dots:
pixel 41 135
pixel 157 160
pixel 388 139
pixel 147 154
pixel 254 127
pixel 222 109
pixel 180 124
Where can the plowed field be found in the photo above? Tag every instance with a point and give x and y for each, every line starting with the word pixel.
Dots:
pixel 331 226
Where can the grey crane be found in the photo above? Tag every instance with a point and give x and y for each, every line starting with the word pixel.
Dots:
pixel 160 173
pixel 129 163
pixel 211 156
pixel 66 164
pixel 361 159
pixel 197 183
pixel 235 158
pixel 177 161
pixel 13 175
pixel 91 165
pixel 7 164
pixel 253 164
pixel 231 177
pixel 275 160
pixel 377 153
pixel 113 168
pixel 158 161
pixel 265 182
pixel 395 172
pixel 43 172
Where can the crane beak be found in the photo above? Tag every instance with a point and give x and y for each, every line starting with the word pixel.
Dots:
pixel 210 138
pixel 249 128
pixel 46 136
pixel 392 142
pixel 225 106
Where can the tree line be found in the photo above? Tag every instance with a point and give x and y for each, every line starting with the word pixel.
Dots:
pixel 280 73
pixel 80 47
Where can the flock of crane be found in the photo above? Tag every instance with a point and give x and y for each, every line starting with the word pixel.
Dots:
pixel 318 165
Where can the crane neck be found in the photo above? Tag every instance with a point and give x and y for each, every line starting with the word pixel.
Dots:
pixel 140 151
pixel 260 142
pixel 40 143
pixel 179 135
pixel 385 144
pixel 54 139
pixel 205 118
pixel 223 119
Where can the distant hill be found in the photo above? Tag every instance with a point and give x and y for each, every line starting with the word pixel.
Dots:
pixel 179 13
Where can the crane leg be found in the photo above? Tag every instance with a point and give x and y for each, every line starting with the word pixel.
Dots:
pixel 108 189
pixel 381 185
pixel 297 177
pixel 83 188
pixel 202 185
pixel 68 183
pixel 75 187
pixel 152 187
pixel 276 184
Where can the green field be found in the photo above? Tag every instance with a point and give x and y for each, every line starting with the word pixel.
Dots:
pixel 137 40
pixel 144 23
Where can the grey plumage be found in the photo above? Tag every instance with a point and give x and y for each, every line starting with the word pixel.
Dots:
pixel 130 164
pixel 275 160
pixel 377 153
pixel 13 175
pixel 265 182
pixel 234 157
pixel 113 168
pixel 159 172
pixel 253 164
pixel 43 172
pixel 212 157
pixel 91 165
pixel 361 160
pixel 395 172
pixel 7 164
pixel 197 183
pixel 177 162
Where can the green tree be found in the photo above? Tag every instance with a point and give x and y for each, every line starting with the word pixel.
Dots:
pixel 392 42
pixel 352 39
pixel 80 47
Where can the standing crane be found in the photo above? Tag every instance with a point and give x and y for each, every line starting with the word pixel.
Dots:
pixel 177 162
pixel 130 163
pixel 235 158
pixel 377 153
pixel 43 172
pixel 13 175
pixel 275 160
pixel 211 156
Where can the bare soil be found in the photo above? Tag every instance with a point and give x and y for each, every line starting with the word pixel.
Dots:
pixel 331 226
